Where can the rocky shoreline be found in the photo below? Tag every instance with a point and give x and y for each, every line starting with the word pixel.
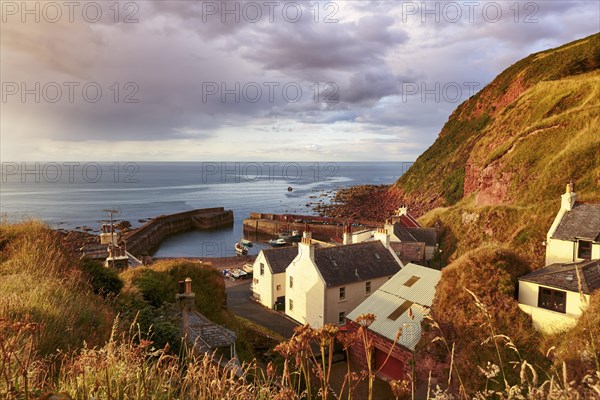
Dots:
pixel 364 203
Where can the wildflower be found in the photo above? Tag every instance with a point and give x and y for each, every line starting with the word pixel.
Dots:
pixel 490 371
pixel 365 320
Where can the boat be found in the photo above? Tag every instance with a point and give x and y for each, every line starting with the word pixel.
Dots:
pixel 290 236
pixel 240 250
pixel 248 268
pixel 277 242
pixel 246 242
pixel 238 273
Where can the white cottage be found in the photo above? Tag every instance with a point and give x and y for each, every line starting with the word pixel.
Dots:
pixel 575 233
pixel 324 284
pixel 268 283
pixel 556 295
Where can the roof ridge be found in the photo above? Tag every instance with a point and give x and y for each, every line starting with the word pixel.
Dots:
pixel 403 298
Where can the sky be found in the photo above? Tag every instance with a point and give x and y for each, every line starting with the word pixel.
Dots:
pixel 256 80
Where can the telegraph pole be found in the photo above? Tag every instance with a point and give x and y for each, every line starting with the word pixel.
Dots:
pixel 111 212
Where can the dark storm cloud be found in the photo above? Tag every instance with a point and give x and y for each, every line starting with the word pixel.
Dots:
pixel 177 48
pixel 308 46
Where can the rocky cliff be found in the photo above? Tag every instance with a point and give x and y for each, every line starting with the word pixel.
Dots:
pixel 520 139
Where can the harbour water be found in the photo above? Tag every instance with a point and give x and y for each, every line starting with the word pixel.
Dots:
pixel 74 195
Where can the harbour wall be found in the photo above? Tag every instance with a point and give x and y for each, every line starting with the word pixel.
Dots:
pixel 322 228
pixel 142 241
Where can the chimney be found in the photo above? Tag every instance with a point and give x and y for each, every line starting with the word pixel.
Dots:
pixel 347 234
pixel 569 198
pixel 305 247
pixel 187 299
pixel 383 236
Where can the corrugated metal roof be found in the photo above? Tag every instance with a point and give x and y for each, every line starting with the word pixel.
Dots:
pixel 391 295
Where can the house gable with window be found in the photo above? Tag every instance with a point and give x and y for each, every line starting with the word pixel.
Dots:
pixel 551 295
pixel 268 276
pixel 325 284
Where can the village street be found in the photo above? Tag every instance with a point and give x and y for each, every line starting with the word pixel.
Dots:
pixel 238 301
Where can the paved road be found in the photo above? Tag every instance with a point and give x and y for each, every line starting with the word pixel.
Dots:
pixel 238 302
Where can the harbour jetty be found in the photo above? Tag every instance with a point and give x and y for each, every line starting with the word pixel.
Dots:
pixel 141 241
pixel 322 228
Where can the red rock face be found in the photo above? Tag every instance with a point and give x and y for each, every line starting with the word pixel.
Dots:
pixel 490 185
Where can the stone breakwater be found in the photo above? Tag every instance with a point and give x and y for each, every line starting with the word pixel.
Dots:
pixel 322 228
pixel 141 241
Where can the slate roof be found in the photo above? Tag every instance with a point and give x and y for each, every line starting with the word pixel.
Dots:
pixel 564 276
pixel 415 234
pixel 582 222
pixel 427 235
pixel 358 262
pixel 386 301
pixel 402 234
pixel 279 258
pixel 95 251
pixel 206 334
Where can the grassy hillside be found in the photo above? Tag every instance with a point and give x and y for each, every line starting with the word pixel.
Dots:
pixel 58 313
pixel 505 155
pixel 549 98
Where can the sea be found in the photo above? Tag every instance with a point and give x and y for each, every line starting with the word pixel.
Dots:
pixel 78 195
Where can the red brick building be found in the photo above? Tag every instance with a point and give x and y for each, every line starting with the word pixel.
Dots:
pixel 399 306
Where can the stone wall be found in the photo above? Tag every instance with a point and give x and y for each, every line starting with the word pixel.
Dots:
pixel 143 240
pixel 323 228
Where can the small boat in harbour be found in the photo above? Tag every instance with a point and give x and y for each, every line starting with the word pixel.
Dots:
pixel 240 250
pixel 290 236
pixel 248 268
pixel 277 242
pixel 238 273
pixel 246 242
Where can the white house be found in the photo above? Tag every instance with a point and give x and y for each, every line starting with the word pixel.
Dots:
pixel 410 243
pixel 551 295
pixel 324 284
pixel 399 305
pixel 575 233
pixel 556 294
pixel 268 283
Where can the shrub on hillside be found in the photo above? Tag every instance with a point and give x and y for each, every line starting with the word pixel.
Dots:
pixel 156 287
pixel 40 282
pixel 580 346
pixel 105 281
pixel 472 322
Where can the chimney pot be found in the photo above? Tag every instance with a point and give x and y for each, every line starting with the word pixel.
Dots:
pixel 188 285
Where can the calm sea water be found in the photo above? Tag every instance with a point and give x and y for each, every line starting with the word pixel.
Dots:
pixel 71 195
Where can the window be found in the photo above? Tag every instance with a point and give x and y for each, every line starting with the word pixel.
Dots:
pixel 342 317
pixel 342 293
pixel 368 287
pixel 278 287
pixel 262 269
pixel 291 304
pixel 400 310
pixel 411 281
pixel 584 250
pixel 291 281
pixel 551 299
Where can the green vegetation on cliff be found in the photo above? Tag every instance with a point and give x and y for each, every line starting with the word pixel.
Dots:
pixel 521 138
pixel 497 170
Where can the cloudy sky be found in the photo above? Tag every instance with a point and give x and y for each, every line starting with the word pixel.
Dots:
pixel 265 80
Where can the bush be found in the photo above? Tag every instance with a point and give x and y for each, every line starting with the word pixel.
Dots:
pixel 468 323
pixel 105 281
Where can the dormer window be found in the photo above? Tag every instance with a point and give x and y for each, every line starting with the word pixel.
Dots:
pixel 584 249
